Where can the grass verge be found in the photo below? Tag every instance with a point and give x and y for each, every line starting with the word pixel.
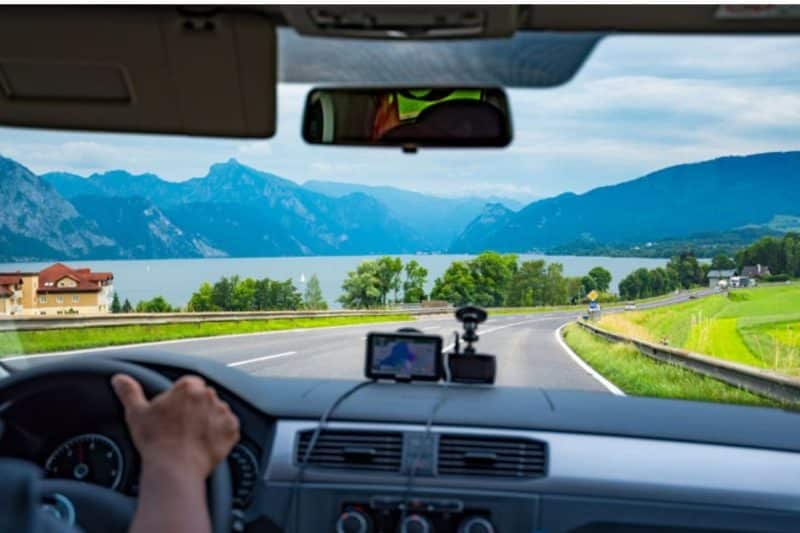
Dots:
pixel 29 342
pixel 638 375
pixel 758 327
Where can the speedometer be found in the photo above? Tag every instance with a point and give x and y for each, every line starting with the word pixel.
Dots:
pixel 89 457
pixel 244 471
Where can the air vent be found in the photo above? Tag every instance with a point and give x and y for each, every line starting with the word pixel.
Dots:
pixel 468 455
pixel 366 450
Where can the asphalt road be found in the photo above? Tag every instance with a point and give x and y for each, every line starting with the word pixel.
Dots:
pixel 527 349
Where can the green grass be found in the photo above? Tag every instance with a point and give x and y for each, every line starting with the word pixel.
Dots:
pixel 757 327
pixel 638 375
pixel 28 342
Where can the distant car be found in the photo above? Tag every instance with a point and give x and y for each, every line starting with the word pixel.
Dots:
pixel 630 306
pixel 693 297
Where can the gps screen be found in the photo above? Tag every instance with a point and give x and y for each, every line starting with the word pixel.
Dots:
pixel 409 356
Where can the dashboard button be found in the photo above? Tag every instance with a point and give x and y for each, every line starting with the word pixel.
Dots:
pixel 415 524
pixel 476 524
pixel 353 522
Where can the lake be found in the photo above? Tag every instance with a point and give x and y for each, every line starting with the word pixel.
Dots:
pixel 177 279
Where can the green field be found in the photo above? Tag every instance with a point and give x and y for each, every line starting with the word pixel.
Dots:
pixel 638 375
pixel 758 327
pixel 28 342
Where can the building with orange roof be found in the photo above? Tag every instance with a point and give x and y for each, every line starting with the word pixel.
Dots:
pixel 58 289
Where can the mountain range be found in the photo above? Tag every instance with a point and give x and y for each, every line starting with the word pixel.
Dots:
pixel 439 220
pixel 708 197
pixel 236 210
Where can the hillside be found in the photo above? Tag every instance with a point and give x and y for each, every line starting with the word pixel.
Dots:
pixel 437 219
pixel 38 222
pixel 708 197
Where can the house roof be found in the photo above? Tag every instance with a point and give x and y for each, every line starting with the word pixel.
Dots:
pixel 85 279
pixel 721 273
pixel 10 279
pixel 755 270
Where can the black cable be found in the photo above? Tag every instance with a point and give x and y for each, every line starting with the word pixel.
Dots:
pixel 301 467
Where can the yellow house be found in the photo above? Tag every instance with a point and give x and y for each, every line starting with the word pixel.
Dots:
pixel 11 294
pixel 58 289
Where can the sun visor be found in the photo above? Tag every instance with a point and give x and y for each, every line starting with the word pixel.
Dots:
pixel 525 60
pixel 138 70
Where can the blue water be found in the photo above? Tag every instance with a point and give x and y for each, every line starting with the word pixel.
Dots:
pixel 176 279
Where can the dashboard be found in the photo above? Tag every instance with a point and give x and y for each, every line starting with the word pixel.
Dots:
pixel 399 458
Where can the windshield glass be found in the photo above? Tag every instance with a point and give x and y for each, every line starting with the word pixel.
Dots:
pixel 651 199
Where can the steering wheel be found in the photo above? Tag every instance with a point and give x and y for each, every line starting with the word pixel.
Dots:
pixel 98 508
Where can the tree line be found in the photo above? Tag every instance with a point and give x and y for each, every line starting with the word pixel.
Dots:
pixel 493 280
pixel 237 294
pixel 379 282
pixel 682 271
pixel 780 254
pixel 489 279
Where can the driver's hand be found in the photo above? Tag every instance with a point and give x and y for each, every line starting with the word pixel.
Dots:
pixel 186 427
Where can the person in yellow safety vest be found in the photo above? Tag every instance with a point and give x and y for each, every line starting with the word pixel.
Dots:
pixel 404 106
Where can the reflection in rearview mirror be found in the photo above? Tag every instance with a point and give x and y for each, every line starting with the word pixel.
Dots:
pixel 456 117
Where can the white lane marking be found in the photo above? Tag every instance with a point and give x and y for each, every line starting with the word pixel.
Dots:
pixel 264 358
pixel 613 389
pixel 431 328
pixel 504 326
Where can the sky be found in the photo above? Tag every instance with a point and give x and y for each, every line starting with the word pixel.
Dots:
pixel 640 103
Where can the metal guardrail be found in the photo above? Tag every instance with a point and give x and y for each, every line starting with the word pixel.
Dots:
pixel 755 380
pixel 33 323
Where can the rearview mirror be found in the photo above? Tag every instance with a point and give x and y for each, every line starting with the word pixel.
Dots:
pixel 408 117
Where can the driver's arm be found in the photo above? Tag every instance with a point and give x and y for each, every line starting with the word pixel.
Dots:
pixel 181 435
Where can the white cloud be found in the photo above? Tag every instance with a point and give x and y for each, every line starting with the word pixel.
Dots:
pixel 83 157
pixel 255 149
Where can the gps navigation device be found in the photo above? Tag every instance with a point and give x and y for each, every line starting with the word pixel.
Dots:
pixel 404 357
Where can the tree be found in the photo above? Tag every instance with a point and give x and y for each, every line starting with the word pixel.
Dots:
pixel 388 270
pixel 284 296
pixel 313 299
pixel 723 262
pixel 203 299
pixel 456 285
pixel 243 295
pixel 643 283
pixel 588 283
pixel 688 270
pixel 362 287
pixel 555 287
pixel 116 307
pixel 222 293
pixel 527 284
pixel 156 305
pixel 491 274
pixel 127 307
pixel 414 284
pixel 601 277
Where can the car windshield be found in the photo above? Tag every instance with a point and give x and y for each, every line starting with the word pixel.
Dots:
pixel 644 215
